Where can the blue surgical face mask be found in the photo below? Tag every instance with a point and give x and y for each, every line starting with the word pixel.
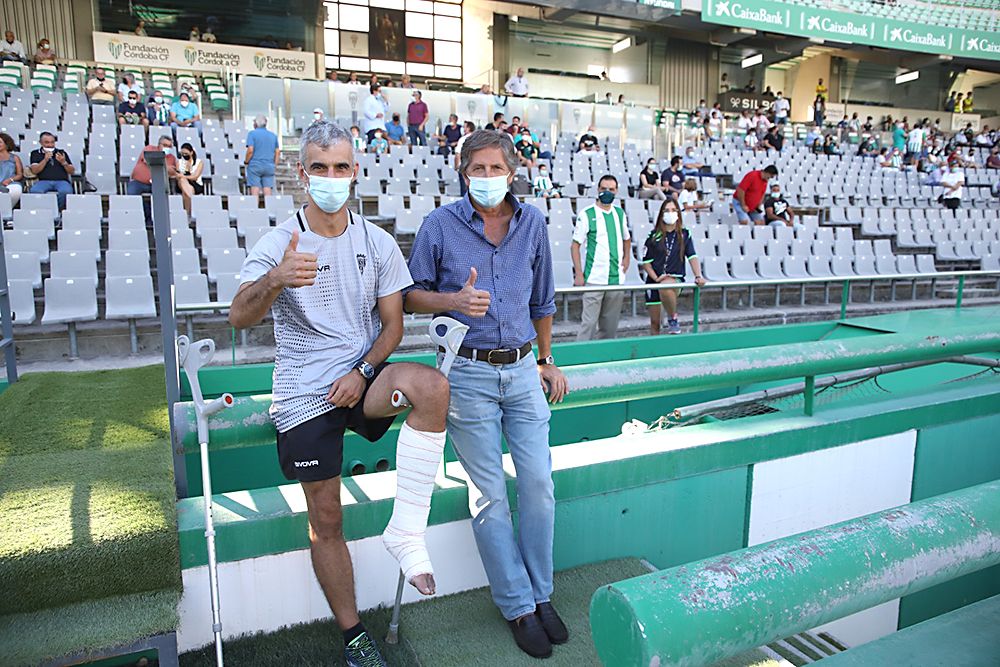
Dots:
pixel 488 192
pixel 330 194
pixel 606 197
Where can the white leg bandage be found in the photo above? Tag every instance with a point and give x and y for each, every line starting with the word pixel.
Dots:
pixel 418 454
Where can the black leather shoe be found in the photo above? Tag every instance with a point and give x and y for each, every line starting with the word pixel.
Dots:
pixel 554 627
pixel 530 636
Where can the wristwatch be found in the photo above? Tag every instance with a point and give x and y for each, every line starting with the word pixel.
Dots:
pixel 367 370
pixel 546 361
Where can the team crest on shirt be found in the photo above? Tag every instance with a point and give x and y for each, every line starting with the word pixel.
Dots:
pixel 362 260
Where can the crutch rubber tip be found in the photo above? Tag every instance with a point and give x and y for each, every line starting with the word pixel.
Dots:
pixel 392 636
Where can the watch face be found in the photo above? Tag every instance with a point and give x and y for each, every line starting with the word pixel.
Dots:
pixel 366 370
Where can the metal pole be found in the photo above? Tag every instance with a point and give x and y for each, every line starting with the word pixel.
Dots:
pixel 708 610
pixel 845 294
pixel 6 320
pixel 809 395
pixel 168 321
pixel 961 289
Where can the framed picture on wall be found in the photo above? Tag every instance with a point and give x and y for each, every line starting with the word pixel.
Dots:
pixel 386 39
pixel 353 44
pixel 419 50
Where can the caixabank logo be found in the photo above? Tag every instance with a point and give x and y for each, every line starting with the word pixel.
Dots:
pixel 737 10
pixel 980 45
pixel 837 27
pixel 921 37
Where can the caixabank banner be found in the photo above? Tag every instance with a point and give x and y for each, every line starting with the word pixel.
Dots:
pixel 201 56
pixel 787 18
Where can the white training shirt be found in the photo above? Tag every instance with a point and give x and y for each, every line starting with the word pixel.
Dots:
pixel 951 178
pixel 595 231
pixel 322 330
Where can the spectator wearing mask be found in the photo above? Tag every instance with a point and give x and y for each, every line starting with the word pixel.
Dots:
pixel 128 85
pixel 53 169
pixel 774 140
pixel 750 193
pixel 443 149
pixel 318 115
pixel 416 120
pixel 185 113
pixel 157 109
pixel 262 156
pixel 100 89
pixel 132 111
pixel 983 138
pixel 649 182
pixel 515 126
pixel 915 144
pixel 691 165
pixel 45 55
pixel 452 132
pixel 868 147
pixel 378 145
pixel 762 123
pixel 526 149
pixel 751 141
pixel 375 107
pixel 542 184
pixel 12 49
pixel 744 122
pixel 357 141
pixel 777 211
pixel 854 125
pixel 189 170
pixel 781 108
pixel 672 178
pixel 817 146
pixel 209 37
pixel 394 132
pixel 603 229
pixel 588 143
pixel 141 181
pixel 812 134
pixel 830 146
pixel 195 34
pixel 405 82
pixel 701 111
pixel 663 261
pixel 468 127
pixel 953 181
pixel 517 85
pixel 993 161
pixel 688 199
pixel 819 111
pixel 11 169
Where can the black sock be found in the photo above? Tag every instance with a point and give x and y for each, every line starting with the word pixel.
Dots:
pixel 351 634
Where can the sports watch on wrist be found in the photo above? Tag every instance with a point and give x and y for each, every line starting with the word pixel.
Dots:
pixel 546 361
pixel 367 370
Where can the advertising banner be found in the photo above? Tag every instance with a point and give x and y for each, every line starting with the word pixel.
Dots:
pixel 785 18
pixel 201 56
pixel 735 102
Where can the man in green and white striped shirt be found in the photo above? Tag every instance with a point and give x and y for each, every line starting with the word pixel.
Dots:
pixel 603 229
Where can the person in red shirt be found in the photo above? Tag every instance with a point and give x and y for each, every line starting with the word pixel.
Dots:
pixel 750 193
pixel 141 181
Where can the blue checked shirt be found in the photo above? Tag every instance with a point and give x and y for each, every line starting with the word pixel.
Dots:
pixel 517 274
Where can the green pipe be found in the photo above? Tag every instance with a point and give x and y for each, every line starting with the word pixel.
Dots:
pixel 809 395
pixel 961 290
pixel 696 308
pixel 845 295
pixel 615 381
pixel 709 610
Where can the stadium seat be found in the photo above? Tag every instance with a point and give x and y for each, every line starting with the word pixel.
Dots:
pixel 224 261
pixel 70 300
pixel 819 267
pixel 226 286
pixel 842 265
pixel 864 265
pixel 281 207
pixel 251 217
pixel 744 268
pixel 218 238
pixel 925 264
pixel 119 263
pixel 28 240
pixel 254 234
pixel 22 301
pixel 40 219
pixel 408 222
pixel 129 297
pixel 37 201
pixel 124 203
pixel 24 266
pixel 127 219
pixel 191 289
pixel 69 264
pixel 211 219
pixel 128 239
pixel 186 261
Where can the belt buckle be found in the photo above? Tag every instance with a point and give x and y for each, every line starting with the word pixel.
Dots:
pixel 489 358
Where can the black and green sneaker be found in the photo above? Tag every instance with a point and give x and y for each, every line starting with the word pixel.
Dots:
pixel 362 652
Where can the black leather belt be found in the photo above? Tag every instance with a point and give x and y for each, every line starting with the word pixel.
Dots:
pixel 495 357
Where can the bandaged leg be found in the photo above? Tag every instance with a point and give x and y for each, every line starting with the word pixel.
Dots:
pixel 418 454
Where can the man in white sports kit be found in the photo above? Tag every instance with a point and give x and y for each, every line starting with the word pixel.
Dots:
pixel 333 283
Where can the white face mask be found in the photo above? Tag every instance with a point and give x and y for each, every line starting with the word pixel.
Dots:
pixel 184 103
pixel 317 116
pixel 158 99
pixel 48 149
pixel 670 218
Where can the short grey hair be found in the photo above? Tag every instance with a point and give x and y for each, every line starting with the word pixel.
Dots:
pixel 324 134
pixel 481 139
pixel 260 121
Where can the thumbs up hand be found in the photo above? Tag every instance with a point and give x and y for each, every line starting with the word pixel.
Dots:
pixel 471 301
pixel 297 269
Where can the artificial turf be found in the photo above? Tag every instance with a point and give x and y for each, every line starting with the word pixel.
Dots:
pixel 86 489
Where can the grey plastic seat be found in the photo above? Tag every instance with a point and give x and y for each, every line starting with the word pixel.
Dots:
pixel 254 234
pixel 191 289
pixel 422 204
pixel 126 219
pixel 945 251
pixel 819 267
pixel 886 265
pixel 181 238
pixel 218 238
pixel 211 219
pixel 925 264
pixel 777 248
pixel 226 286
pixel 128 239
pixel 842 266
pixel 715 268
pixel 27 240
pixel 22 301
pixel 281 207
pixel 223 261
pixel 251 217
pixel 744 268
pixel 70 264
pixel 81 218
pixel 408 222
pixel 794 267
pixel 24 266
pixel 882 247
pixel 864 265
pixel 770 267
pixel 41 219
pixel 863 247
pixel 126 263
pixel 39 200
pixel 202 203
pixel 125 203
pixel 129 297
pixel 70 300
pixel 186 261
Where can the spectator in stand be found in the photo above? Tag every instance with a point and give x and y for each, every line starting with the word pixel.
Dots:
pixel 667 248
pixel 884 159
pixel 715 124
pixel 777 211
pixel 915 144
pixel 843 127
pixel 762 123
pixel 192 93
pixel 45 55
pixel 332 77
pixel 821 91
pixel 751 87
pixel 959 102
pixel 357 141
pixel 395 134
pixel 768 93
pixel 649 182
pixel 724 83
pixel 352 79
pixel 416 119
pixel 497 118
pixel 868 146
pixel 515 126
pixel 452 132
pixel 993 161
pixel 691 165
pixel 774 139
pixel 318 115
pixel 100 89
pixel 688 199
pixel 269 42
pixel 262 156
pixel 443 149
pixel 527 150
pixel 819 111
pixel 588 142
pixel 11 169
pixel 189 169
pixel 830 146
pixel 750 193
pixel 141 181
pixel 949 104
pixel 484 90
pixel 812 134
pixel 128 85
pixel 375 107
pixel 603 228
pixel 542 185
pixel 517 85
pixel 157 110
pixel 705 133
pixel 984 138
pixel 967 104
pixel 405 82
pixel 751 141
pixel 952 181
pixel 53 169
pixel 672 179
pixel 781 108
pixel 378 145
pixel 621 100
pixel 868 126
pixel 817 146
pixel 12 49
pixel 854 125
pixel 132 111
pixel 700 111
pixel 208 36
pixel 745 122
pixel 185 113
pixel 195 34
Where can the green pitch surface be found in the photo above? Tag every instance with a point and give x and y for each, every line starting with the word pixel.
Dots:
pixel 86 491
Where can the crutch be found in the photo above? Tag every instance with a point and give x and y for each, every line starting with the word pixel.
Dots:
pixel 192 357
pixel 450 340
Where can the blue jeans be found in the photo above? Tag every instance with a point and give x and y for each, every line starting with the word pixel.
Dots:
pixel 486 402
pixel 61 188
pixel 743 217
pixel 417 136
pixel 134 187
pixel 196 125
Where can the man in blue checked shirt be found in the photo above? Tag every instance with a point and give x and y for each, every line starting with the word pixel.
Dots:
pixel 485 261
